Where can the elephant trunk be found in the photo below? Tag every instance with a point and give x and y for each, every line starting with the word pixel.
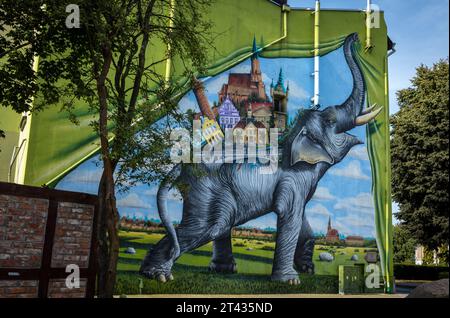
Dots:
pixel 348 112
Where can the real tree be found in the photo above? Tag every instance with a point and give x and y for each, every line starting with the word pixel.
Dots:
pixel 404 245
pixel 109 63
pixel 420 157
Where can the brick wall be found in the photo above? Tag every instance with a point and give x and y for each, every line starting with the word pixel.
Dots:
pixel 72 235
pixel 57 289
pixel 18 288
pixel 22 231
pixel 24 224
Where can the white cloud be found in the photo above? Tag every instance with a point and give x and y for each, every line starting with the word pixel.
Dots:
pixel 133 201
pixel 86 176
pixel 354 220
pixel 355 225
pixel 317 210
pixel 342 228
pixel 323 194
pixel 362 203
pixel 318 224
pixel 296 91
pixel 359 152
pixel 174 195
pixel 214 84
pixel 352 170
pixel 187 103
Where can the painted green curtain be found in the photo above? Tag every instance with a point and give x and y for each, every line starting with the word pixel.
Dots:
pixel 57 146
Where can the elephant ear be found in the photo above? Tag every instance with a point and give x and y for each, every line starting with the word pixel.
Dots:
pixel 304 149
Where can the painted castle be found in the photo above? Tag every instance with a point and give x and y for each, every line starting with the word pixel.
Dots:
pixel 245 106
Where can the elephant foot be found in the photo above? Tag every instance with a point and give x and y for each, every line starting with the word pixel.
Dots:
pixel 306 267
pixel 160 273
pixel 223 268
pixel 291 277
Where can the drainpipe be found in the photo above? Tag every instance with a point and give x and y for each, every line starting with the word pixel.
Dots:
pixel 369 25
pixel 20 155
pixel 169 48
pixel 316 74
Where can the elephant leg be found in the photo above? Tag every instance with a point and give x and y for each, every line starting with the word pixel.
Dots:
pixel 223 260
pixel 288 229
pixel 303 259
pixel 159 261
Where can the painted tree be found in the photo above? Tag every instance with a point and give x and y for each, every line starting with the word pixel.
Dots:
pixel 420 156
pixel 109 63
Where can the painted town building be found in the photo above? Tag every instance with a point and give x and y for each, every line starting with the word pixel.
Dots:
pixel 353 240
pixel 243 87
pixel 280 97
pixel 228 114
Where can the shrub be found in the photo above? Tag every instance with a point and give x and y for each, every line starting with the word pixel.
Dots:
pixel 420 272
pixel 268 248
pixel 239 244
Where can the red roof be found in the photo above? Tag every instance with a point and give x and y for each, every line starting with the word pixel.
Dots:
pixel 355 238
pixel 237 79
pixel 259 124
pixel 333 232
pixel 261 105
pixel 243 123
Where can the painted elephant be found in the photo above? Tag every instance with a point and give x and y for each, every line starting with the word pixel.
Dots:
pixel 228 195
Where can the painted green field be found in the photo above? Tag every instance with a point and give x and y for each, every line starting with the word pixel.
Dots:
pixel 254 261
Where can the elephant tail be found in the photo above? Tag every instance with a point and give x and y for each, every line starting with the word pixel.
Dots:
pixel 162 195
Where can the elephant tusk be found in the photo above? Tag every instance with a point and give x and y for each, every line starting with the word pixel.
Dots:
pixel 369 109
pixel 364 119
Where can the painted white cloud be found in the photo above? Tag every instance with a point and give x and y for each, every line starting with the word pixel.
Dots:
pixel 362 203
pixel 352 170
pixel 214 84
pixel 359 152
pixel 132 200
pixel 343 228
pixel 352 224
pixel 85 176
pixel 265 221
pixel 187 103
pixel 174 195
pixel 317 210
pixel 318 224
pixel 323 194
pixel 295 91
pixel 357 220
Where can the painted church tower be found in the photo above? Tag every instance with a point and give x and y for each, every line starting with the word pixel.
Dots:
pixel 280 96
pixel 255 74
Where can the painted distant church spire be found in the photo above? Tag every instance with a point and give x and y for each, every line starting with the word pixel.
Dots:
pixel 256 75
pixel 254 49
pixel 280 83
pixel 329 224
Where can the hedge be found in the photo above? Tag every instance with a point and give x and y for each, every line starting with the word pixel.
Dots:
pixel 420 272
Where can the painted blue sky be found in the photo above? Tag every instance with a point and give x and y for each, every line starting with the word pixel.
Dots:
pixel 343 194
pixel 419 28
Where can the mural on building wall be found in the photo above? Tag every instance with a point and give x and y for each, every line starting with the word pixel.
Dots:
pixel 313 213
